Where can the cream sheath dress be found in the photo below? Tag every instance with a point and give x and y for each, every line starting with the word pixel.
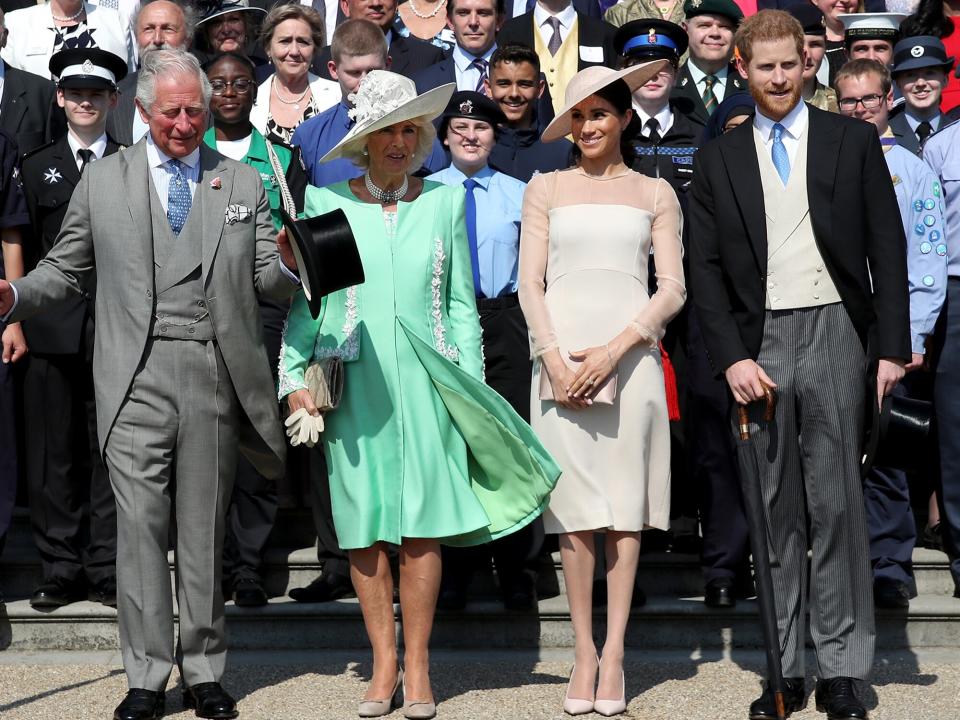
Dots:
pixel 584 260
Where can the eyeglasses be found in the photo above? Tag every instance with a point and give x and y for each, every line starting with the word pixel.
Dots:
pixel 241 86
pixel 869 102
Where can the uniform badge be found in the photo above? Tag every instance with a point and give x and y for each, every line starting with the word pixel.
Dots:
pixel 696 3
pixel 466 107
pixel 896 179
pixel 917 50
pixel 683 83
pixel 652 37
pixel 87 66
pixel 52 176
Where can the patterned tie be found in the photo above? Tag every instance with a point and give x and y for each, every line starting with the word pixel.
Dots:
pixel 709 99
pixel 471 207
pixel 555 42
pixel 114 4
pixel 781 161
pixel 653 130
pixel 924 130
pixel 86 157
pixel 178 197
pixel 481 65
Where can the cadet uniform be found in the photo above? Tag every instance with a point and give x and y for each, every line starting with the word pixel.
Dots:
pixel 913 53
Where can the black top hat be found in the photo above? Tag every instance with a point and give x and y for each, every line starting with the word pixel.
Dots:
pixel 900 436
pixel 651 39
pixel 87 68
pixel 326 253
pixel 920 51
pixel 810 18
pixel 472 105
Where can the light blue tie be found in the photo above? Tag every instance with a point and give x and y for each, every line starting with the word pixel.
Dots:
pixel 178 198
pixel 781 161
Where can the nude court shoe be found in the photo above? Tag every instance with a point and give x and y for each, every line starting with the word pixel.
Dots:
pixel 418 709
pixel 608 708
pixel 576 706
pixel 379 708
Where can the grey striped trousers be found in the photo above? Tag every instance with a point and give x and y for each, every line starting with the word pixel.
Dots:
pixel 809 460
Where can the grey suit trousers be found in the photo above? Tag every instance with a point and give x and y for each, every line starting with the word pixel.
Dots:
pixel 174 443
pixel 809 460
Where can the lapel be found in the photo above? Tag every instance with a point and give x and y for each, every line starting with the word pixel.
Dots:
pixel 399 54
pixel 13 104
pixel 136 183
pixel 823 151
pixel 687 88
pixel 906 138
pixel 743 170
pixel 527 30
pixel 212 166
pixel 65 162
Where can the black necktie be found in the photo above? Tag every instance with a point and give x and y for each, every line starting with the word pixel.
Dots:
pixel 86 157
pixel 924 130
pixel 653 130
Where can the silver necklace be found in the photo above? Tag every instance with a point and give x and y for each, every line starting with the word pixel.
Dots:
pixel 295 102
pixel 70 18
pixel 426 16
pixel 385 197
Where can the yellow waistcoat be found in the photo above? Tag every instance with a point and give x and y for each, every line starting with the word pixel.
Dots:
pixel 559 68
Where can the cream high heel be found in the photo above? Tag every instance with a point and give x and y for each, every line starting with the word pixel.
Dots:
pixel 418 709
pixel 608 708
pixel 379 708
pixel 577 706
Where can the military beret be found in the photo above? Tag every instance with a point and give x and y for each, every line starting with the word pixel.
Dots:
pixel 471 105
pixel 726 8
pixel 651 40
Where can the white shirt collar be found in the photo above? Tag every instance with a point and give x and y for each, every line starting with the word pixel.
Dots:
pixel 463 59
pixel 698 75
pixel 565 16
pixel 158 158
pixel 388 36
pixel 794 123
pixel 99 146
pixel 664 118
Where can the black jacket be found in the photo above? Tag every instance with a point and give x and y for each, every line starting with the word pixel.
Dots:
pixel 671 158
pixel 49 175
pixel 858 230
pixel 120 119
pixel 687 89
pixel 28 109
pixel 521 153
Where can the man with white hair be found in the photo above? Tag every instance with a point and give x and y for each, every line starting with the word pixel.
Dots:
pixel 180 257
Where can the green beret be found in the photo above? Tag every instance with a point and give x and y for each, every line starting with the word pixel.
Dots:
pixel 726 8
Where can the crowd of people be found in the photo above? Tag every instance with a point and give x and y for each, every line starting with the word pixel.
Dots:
pixel 589 233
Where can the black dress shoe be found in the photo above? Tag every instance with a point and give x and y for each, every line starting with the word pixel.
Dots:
pixel 719 593
pixel 891 594
pixel 327 587
pixel 837 697
pixel 209 700
pixel 765 708
pixel 140 704
pixel 56 592
pixel 248 592
pixel 104 592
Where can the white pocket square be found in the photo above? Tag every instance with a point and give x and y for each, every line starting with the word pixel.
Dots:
pixel 237 213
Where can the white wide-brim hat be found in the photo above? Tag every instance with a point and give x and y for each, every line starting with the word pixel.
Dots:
pixel 385 98
pixel 591 80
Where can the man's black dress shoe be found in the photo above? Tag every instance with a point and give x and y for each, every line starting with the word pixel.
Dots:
pixel 104 592
pixel 765 708
pixel 720 593
pixel 327 587
pixel 891 594
pixel 249 592
pixel 56 592
pixel 209 700
pixel 140 704
pixel 837 697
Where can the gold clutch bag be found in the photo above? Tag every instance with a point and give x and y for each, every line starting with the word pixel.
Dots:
pixel 324 380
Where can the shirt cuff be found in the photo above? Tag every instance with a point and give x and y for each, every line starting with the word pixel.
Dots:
pixel 288 272
pixel 16 299
pixel 919 343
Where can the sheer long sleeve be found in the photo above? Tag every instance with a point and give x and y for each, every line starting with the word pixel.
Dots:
pixel 667 301
pixel 534 251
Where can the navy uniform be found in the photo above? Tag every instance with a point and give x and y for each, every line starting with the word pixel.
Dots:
pixel 863 26
pixel 72 507
pixel 914 53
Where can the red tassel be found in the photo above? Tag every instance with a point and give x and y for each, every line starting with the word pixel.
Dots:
pixel 670 386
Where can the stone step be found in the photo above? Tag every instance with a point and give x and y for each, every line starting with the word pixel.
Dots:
pixel 664 623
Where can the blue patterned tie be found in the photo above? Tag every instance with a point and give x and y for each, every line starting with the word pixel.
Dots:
pixel 781 161
pixel 178 198
pixel 470 184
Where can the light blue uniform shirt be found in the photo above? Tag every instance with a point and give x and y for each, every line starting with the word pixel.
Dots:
pixel 499 201
pixel 942 154
pixel 920 208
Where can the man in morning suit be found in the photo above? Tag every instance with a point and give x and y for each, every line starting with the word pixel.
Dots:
pixel 565 39
pixel 708 75
pixel 801 285
pixel 181 376
pixel 72 509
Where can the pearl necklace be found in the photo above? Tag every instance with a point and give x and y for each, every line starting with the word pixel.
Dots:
pixel 426 16
pixel 295 102
pixel 77 14
pixel 385 197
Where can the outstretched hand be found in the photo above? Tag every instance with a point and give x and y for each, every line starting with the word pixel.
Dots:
pixel 6 297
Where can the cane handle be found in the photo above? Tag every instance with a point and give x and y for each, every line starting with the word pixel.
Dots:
pixel 743 413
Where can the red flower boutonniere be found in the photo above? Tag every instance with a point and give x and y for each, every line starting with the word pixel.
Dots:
pixel 216 184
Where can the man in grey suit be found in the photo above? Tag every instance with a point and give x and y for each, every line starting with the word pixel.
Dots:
pixel 182 241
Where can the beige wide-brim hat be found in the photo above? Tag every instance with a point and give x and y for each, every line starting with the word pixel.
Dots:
pixel 385 98
pixel 591 80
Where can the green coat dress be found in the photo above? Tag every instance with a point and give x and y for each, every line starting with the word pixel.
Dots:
pixel 420 447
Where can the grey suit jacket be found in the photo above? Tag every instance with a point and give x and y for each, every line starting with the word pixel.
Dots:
pixel 109 229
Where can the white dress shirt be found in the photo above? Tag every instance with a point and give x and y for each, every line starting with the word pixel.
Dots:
pixel 664 119
pixel 795 124
pixel 699 78
pixel 467 74
pixel 566 17
pixel 99 147
pixel 161 172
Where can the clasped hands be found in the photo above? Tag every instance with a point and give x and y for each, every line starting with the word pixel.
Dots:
pixel 574 389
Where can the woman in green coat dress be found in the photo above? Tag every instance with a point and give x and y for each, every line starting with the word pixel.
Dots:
pixel 420 450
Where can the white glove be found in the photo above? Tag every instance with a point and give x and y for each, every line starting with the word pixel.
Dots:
pixel 303 428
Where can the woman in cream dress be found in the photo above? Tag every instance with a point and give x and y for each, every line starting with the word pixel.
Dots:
pixel 598 401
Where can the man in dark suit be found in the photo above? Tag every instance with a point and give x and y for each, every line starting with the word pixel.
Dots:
pixel 72 508
pixel 158 24
pixel 27 108
pixel 799 276
pixel 408 55
pixel 708 76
